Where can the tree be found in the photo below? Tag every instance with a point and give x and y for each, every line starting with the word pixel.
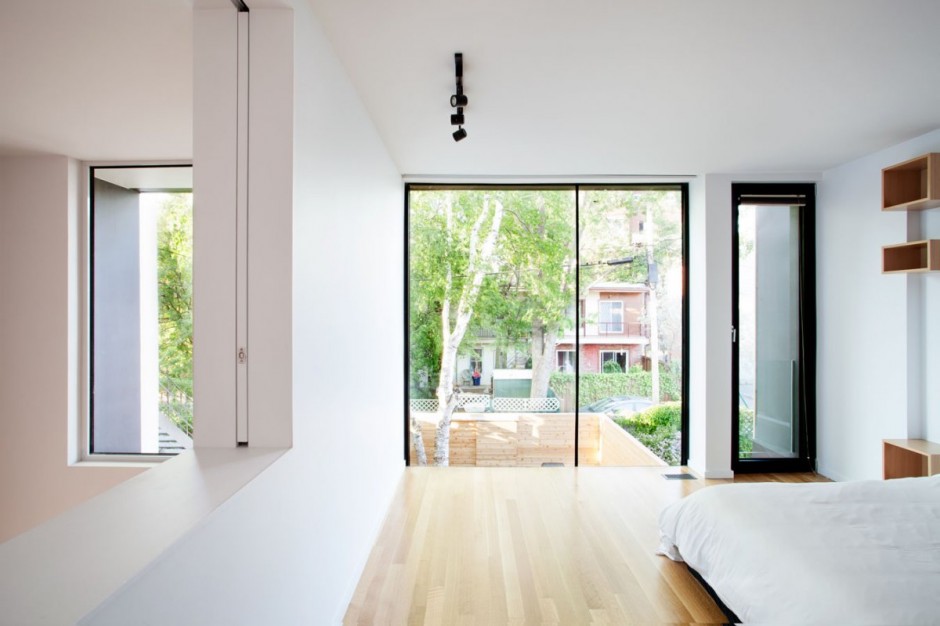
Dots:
pixel 528 300
pixel 462 251
pixel 175 292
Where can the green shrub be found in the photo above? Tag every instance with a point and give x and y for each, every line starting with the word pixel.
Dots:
pixel 612 367
pixel 666 415
pixel 635 382
pixel 659 428
pixel 745 431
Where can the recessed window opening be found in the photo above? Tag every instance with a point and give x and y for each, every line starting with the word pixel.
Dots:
pixel 140 310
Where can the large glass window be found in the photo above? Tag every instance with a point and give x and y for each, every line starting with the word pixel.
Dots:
pixel 611 316
pixel 141 327
pixel 631 283
pixel 545 325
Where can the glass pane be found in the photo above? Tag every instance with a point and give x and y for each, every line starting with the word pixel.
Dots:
pixel 491 295
pixel 142 331
pixel 630 361
pixel 768 334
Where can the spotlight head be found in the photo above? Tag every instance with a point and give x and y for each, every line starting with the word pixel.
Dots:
pixel 459 134
pixel 458 100
pixel 456 119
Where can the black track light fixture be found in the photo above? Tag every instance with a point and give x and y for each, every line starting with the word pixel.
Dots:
pixel 458 100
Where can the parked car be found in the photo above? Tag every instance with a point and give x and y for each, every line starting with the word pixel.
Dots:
pixel 618 404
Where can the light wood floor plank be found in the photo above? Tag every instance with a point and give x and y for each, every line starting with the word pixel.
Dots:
pixel 532 546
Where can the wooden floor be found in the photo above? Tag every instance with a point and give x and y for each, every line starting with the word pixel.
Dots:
pixel 532 546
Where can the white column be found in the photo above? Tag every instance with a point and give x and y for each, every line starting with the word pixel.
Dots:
pixel 710 327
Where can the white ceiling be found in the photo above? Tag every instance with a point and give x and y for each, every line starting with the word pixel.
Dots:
pixel 556 87
pixel 630 87
pixel 96 79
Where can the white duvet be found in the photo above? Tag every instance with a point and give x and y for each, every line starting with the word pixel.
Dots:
pixel 837 553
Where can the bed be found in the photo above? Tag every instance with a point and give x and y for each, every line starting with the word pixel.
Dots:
pixel 838 553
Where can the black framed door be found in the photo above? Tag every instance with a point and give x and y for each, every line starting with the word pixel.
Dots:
pixel 774 327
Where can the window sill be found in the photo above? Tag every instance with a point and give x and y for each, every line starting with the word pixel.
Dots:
pixel 118 533
pixel 123 460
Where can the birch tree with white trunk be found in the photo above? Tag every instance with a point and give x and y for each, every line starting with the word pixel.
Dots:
pixel 459 302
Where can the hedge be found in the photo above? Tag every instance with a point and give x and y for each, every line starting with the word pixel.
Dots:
pixel 636 382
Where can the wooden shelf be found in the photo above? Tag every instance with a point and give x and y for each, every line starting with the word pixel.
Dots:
pixel 913 256
pixel 908 458
pixel 913 185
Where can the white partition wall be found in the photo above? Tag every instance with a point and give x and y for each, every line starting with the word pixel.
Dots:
pixel 290 546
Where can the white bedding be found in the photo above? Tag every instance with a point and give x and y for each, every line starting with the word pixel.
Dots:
pixel 840 553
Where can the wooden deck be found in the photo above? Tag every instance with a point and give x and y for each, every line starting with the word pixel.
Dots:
pixel 532 546
pixel 531 439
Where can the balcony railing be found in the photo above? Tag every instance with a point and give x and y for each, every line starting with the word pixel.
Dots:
pixel 632 329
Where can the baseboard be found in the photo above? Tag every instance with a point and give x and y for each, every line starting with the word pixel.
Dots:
pixel 716 474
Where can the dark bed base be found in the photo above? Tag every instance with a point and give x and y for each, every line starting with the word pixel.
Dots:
pixel 729 614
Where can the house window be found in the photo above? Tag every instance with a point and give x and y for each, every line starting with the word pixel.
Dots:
pixel 610 318
pixel 620 357
pixel 476 360
pixel 140 310
pixel 565 360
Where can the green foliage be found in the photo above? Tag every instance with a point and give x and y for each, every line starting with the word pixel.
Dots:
pixel 529 286
pixel 636 382
pixel 666 415
pixel 659 429
pixel 175 289
pixel 529 289
pixel 745 431
pixel 612 367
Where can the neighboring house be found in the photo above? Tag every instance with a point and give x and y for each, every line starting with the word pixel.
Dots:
pixel 485 356
pixel 613 328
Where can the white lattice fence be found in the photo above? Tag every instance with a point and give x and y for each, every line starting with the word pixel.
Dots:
pixel 463 399
pixel 428 405
pixel 526 405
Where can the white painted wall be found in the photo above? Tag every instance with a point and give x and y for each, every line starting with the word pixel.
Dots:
pixel 215 151
pixel 39 333
pixel 290 547
pixel 710 326
pixel 879 341
pixel 270 177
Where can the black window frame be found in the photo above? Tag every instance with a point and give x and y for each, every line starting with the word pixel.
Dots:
pixel 88 415
pixel 782 193
pixel 682 187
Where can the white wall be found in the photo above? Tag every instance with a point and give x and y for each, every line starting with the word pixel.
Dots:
pixel 290 547
pixel 879 341
pixel 39 335
pixel 710 326
pixel 214 183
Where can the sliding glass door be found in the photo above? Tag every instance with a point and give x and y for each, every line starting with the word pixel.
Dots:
pixel 774 328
